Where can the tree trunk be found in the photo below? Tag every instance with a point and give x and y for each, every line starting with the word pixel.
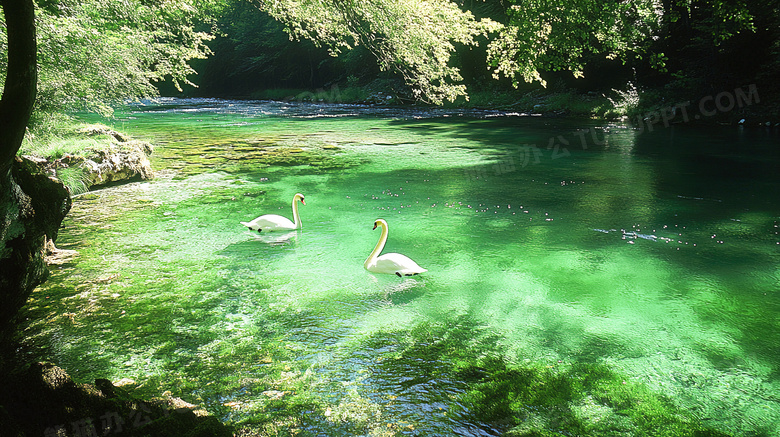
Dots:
pixel 21 80
pixel 31 205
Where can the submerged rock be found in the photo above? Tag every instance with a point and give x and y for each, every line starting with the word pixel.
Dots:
pixel 100 129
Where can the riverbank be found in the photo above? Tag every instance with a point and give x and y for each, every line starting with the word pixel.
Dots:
pixel 395 93
pixel 83 156
pixel 40 398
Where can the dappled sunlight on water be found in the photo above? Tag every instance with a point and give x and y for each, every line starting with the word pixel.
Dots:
pixel 604 254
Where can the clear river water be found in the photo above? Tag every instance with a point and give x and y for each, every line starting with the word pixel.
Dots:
pixel 583 278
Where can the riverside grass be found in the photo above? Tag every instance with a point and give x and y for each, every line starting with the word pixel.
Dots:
pixel 57 136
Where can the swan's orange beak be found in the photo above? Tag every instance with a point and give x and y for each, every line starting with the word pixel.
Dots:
pixel 374 226
pixel 303 201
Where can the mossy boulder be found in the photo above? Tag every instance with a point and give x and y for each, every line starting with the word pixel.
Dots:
pixel 118 162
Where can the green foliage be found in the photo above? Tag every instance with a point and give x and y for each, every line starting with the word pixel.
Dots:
pixel 415 38
pixel 96 53
pixel 45 126
pixel 568 102
pixel 54 135
pixel 627 102
pixel 546 35
pixel 434 44
pixel 253 53
pixel 716 44
pixel 717 21
pixel 57 147
pixel 99 52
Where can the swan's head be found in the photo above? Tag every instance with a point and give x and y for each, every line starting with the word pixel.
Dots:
pixel 380 222
pixel 299 196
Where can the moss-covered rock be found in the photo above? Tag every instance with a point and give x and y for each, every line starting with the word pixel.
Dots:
pixel 118 162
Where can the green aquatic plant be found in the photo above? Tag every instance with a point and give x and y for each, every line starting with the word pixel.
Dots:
pixel 580 398
pixel 434 27
pixel 538 398
pixel 357 410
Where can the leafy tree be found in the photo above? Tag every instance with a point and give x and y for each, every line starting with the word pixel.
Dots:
pixel 472 59
pixel 97 52
pixel 711 21
pixel 714 44
pixel 552 35
pixel 414 37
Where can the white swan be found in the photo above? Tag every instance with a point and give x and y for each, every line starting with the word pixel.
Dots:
pixel 273 222
pixel 393 263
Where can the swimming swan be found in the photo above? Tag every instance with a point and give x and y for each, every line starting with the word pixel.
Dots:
pixel 393 263
pixel 274 222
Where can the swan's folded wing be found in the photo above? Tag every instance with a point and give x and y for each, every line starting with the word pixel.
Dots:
pixel 270 222
pixel 395 263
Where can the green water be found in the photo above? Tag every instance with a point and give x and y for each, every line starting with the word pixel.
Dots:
pixel 616 269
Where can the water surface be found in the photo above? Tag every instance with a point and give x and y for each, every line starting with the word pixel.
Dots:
pixel 549 243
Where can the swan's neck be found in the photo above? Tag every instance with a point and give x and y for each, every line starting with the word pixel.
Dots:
pixel 296 218
pixel 379 246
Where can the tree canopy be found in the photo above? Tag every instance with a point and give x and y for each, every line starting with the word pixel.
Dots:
pixel 94 53
pixel 672 41
pixel 547 35
pixel 415 37
pixel 97 52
